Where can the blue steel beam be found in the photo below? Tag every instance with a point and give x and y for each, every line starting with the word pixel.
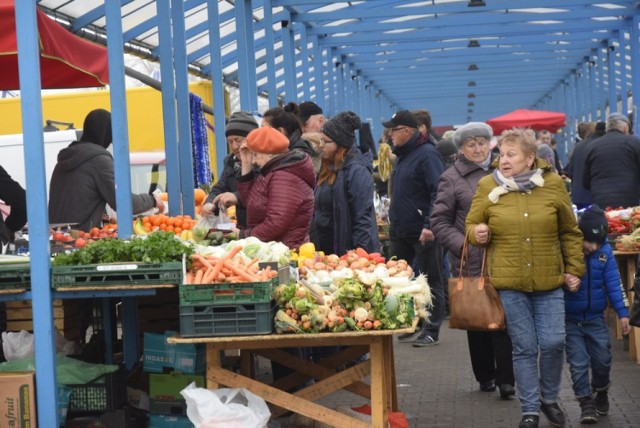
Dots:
pixel 634 43
pixel 217 86
pixel 270 55
pixel 33 150
pixel 246 58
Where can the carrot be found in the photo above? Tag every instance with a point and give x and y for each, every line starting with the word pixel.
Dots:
pixel 233 252
pixel 226 271
pixel 207 278
pixel 202 260
pixel 198 277
pixel 221 277
pixel 264 275
pixel 188 278
pixel 252 262
pixel 212 273
pixel 239 272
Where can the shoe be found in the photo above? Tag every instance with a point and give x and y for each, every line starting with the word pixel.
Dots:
pixel 506 391
pixel 554 414
pixel 602 402
pixel 423 342
pixel 487 386
pixel 529 421
pixel 588 414
pixel 407 337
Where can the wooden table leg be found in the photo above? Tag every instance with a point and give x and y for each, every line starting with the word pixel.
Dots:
pixel 390 369
pixel 379 380
pixel 634 336
pixel 213 361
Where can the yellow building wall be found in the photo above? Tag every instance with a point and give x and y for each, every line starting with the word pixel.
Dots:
pixel 144 114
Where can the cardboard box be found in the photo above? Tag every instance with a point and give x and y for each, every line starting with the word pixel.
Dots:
pixel 167 387
pixel 17 400
pixel 161 357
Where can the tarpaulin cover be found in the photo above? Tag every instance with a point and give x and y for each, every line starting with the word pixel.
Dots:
pixel 535 119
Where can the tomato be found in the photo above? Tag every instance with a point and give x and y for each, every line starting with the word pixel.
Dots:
pixel 80 243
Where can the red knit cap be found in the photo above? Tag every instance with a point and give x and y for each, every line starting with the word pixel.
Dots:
pixel 267 140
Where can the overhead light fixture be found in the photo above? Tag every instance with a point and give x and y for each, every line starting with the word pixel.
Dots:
pixel 471 103
pixel 471 95
pixel 469 118
pixel 471 83
pixel 470 110
pixel 472 67
pixel 473 44
pixel 476 3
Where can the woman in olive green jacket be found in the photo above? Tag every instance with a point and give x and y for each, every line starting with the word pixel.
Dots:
pixel 523 214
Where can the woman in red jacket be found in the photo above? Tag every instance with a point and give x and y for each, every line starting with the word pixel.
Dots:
pixel 279 193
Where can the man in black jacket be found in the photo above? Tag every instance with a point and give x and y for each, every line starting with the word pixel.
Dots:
pixel 14 196
pixel 612 166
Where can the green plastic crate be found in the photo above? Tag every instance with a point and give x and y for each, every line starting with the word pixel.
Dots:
pixel 227 292
pixel 133 273
pixel 15 276
pixel 227 320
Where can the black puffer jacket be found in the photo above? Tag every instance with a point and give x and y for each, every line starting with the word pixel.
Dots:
pixel 612 170
pixel 13 195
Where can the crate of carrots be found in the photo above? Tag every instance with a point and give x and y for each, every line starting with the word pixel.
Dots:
pixel 227 280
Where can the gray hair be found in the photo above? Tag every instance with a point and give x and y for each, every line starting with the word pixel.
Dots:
pixel 617 124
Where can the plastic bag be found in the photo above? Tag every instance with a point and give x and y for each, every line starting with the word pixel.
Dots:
pixel 225 408
pixel 216 222
pixel 17 346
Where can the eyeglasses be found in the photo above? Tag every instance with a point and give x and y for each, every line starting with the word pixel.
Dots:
pixel 398 129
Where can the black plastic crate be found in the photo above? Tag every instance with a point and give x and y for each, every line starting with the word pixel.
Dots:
pixel 173 407
pixel 104 394
pixel 133 273
pixel 227 320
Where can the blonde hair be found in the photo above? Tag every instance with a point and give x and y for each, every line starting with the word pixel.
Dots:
pixel 525 138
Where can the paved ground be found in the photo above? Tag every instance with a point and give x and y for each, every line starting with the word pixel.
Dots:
pixel 436 388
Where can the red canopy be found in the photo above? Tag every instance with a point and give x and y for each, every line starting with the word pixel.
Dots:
pixel 66 60
pixel 537 120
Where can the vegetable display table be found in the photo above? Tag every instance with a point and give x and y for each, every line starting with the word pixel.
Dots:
pixel 380 367
pixel 627 262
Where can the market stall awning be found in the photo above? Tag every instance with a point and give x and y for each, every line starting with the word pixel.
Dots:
pixel 535 119
pixel 66 60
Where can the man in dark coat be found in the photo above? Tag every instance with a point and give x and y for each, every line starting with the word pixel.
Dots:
pixel 414 185
pixel 225 191
pixel 13 195
pixel 612 166
pixel 580 196
pixel 83 180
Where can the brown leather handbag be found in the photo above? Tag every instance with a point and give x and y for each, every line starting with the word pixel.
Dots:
pixel 473 302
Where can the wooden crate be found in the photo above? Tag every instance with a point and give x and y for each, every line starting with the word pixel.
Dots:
pixel 65 317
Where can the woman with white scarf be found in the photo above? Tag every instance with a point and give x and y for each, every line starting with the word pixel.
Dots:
pixel 523 214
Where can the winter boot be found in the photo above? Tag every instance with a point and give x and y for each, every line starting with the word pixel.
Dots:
pixel 588 414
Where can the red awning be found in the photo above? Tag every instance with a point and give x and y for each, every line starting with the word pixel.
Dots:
pixel 535 119
pixel 66 60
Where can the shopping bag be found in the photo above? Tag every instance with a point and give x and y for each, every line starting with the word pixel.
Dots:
pixel 474 303
pixel 634 313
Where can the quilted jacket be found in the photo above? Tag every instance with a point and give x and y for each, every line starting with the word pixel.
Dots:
pixel 602 280
pixel 279 199
pixel 534 237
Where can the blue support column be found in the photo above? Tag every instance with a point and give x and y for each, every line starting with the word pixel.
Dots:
pixel 288 59
pixel 217 84
pixel 306 68
pixel 331 84
pixel 31 104
pixel 185 149
pixel 246 55
pixel 318 95
pixel 270 53
pixel 169 107
pixel 611 66
pixel 119 122
pixel 579 96
pixel 635 68
pixel 584 89
pixel 624 82
pixel 592 90
pixel 340 86
pixel 602 89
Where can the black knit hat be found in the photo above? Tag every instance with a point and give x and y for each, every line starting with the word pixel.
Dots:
pixel 306 110
pixel 594 225
pixel 240 123
pixel 341 128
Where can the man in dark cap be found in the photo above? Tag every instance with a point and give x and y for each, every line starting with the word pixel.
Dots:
pixel 612 166
pixel 225 192
pixel 414 185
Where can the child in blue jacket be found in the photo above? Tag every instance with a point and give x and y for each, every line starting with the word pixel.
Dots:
pixel 587 342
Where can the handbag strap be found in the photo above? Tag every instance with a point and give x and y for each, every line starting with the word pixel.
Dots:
pixel 465 253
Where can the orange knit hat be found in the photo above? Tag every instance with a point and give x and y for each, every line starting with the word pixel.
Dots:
pixel 267 140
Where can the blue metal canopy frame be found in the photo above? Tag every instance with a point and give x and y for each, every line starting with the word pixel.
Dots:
pixel 459 61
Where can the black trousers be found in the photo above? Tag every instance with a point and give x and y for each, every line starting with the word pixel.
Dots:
pixel 490 353
pixel 429 258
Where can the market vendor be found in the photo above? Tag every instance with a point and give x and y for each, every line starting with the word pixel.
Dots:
pixel 13 195
pixel 279 198
pixel 83 181
pixel 225 192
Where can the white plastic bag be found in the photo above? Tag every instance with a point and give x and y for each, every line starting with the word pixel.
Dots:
pixel 225 408
pixel 18 346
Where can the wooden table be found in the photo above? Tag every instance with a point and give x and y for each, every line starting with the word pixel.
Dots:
pixel 627 262
pixel 380 366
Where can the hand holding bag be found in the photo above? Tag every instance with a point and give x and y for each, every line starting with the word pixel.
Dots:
pixel 473 302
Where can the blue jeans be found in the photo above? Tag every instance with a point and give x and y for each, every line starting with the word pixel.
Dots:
pixel 588 346
pixel 535 323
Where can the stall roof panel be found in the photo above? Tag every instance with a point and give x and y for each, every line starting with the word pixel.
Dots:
pixel 461 59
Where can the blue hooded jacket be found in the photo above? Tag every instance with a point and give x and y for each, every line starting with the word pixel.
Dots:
pixel 601 280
